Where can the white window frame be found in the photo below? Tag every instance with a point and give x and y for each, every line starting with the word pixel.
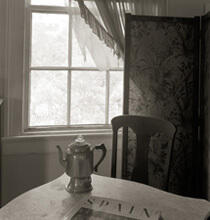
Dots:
pixel 13 78
pixel 51 9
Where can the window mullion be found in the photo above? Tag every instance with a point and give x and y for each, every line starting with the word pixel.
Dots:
pixel 69 71
pixel 27 70
pixel 107 97
pixel 69 98
pixel 48 9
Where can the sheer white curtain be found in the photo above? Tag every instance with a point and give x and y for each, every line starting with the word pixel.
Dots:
pixel 93 41
pixel 101 30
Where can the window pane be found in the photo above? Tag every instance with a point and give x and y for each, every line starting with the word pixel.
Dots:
pixel 49 2
pixel 49 39
pixel 116 94
pixel 78 58
pixel 88 97
pixel 48 98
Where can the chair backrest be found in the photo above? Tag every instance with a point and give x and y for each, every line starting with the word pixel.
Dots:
pixel 145 128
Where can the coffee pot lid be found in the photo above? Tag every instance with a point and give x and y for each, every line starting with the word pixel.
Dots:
pixel 79 145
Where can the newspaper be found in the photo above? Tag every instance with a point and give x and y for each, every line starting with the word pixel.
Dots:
pixel 91 208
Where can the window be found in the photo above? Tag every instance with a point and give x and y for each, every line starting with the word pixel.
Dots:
pixel 62 89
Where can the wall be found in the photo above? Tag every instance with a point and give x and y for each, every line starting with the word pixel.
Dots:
pixel 31 161
pixel 28 162
pixel 186 8
pixel 2 45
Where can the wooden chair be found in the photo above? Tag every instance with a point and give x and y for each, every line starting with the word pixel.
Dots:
pixel 144 128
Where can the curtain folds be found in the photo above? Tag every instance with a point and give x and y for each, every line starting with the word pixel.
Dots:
pixel 96 26
pixel 109 25
pixel 111 14
pixel 88 41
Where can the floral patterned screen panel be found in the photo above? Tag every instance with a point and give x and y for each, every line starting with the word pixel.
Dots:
pixel 161 74
pixel 205 107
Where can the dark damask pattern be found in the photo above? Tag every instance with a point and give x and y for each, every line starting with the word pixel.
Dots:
pixel 158 148
pixel 161 85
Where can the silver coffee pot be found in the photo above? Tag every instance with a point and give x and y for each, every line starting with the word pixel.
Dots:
pixel 78 164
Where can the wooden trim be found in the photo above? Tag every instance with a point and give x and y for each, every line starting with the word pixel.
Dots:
pixel 126 89
pixel 13 66
pixel 201 173
pixel 127 63
pixel 195 123
pixel 1 127
pixel 161 18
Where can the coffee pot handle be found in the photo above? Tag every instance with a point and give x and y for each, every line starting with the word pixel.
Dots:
pixel 103 148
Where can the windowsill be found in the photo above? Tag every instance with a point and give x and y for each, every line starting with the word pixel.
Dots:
pixel 58 135
pixel 46 143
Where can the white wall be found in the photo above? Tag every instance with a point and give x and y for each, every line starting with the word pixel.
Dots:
pixel 2 45
pixel 29 162
pixel 186 8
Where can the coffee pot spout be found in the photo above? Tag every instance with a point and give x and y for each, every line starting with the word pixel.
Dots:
pixel 61 159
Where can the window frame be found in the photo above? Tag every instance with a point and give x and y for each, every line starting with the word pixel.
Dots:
pixel 29 9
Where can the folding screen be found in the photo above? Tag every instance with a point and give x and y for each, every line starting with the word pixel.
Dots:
pixel 204 154
pixel 161 80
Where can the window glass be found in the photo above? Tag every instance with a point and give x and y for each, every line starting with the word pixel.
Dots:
pixel 116 94
pixel 65 88
pixel 49 39
pixel 48 98
pixel 88 97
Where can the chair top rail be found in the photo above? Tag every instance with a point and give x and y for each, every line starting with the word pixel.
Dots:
pixel 144 125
